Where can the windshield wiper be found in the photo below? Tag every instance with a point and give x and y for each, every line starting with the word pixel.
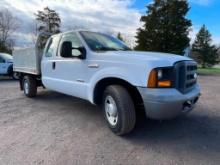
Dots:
pixel 111 49
pixel 107 49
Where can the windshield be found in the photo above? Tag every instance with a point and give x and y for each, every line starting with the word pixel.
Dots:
pixel 103 42
pixel 6 56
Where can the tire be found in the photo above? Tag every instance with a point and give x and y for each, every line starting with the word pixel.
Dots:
pixel 14 76
pixel 10 72
pixel 29 86
pixel 118 109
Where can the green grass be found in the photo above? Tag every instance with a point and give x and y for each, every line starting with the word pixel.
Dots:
pixel 209 71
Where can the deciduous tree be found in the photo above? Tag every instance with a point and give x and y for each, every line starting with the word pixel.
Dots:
pixel 8 25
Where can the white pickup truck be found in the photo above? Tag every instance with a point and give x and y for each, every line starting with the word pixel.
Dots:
pixel 103 70
pixel 6 65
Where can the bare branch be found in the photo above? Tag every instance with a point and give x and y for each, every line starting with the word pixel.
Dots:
pixel 8 25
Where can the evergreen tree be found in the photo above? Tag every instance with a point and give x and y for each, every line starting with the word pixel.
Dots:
pixel 119 36
pixel 203 50
pixel 165 28
pixel 49 22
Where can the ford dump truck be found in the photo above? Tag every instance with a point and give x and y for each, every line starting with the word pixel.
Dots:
pixel 103 70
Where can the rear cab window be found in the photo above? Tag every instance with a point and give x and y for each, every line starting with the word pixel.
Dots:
pixel 51 49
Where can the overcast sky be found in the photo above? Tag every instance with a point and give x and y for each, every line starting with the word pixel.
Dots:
pixel 110 16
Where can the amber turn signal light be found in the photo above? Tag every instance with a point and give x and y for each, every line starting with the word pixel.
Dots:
pixel 152 81
pixel 165 83
pixel 155 82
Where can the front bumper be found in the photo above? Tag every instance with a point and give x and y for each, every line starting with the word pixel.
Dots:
pixel 168 103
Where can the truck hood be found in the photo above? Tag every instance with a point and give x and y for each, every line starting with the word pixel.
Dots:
pixel 143 57
pixel 9 60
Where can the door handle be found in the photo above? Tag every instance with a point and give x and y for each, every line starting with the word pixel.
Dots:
pixel 53 65
pixel 93 65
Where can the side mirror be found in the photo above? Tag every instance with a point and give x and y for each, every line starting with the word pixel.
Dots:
pixel 82 51
pixel 68 51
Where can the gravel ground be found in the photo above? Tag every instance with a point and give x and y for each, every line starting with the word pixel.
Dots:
pixel 57 129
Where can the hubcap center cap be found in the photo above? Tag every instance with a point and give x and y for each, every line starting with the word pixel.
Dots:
pixel 111 110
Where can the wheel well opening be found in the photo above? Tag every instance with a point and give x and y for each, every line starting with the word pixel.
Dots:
pixel 21 79
pixel 10 70
pixel 102 84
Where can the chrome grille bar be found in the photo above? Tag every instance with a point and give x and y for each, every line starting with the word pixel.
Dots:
pixel 186 75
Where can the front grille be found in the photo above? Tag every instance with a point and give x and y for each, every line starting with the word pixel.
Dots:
pixel 186 75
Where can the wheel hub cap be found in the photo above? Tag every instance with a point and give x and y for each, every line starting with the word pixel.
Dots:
pixel 111 110
pixel 26 87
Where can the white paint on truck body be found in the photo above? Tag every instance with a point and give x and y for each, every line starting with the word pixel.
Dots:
pixel 78 77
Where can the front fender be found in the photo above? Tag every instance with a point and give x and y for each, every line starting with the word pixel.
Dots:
pixel 113 72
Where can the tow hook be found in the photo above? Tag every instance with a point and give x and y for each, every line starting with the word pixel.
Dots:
pixel 188 106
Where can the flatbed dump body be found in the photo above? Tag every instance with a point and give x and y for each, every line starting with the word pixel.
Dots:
pixel 28 60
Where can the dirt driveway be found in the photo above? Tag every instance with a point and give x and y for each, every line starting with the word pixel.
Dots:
pixel 57 129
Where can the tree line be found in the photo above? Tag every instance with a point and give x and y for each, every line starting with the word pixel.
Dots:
pixel 165 29
pixel 8 25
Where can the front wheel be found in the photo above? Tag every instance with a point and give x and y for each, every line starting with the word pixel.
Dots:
pixel 15 76
pixel 30 86
pixel 119 110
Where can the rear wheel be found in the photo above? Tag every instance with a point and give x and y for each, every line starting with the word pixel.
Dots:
pixel 119 110
pixel 29 86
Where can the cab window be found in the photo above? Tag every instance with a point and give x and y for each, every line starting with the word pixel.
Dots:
pixel 51 49
pixel 2 60
pixel 76 43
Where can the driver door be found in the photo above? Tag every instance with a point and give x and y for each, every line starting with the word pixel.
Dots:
pixel 70 72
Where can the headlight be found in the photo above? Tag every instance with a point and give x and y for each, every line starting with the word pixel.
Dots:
pixel 161 78
pixel 160 74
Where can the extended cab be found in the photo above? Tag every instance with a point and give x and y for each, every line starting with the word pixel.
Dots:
pixel 103 70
